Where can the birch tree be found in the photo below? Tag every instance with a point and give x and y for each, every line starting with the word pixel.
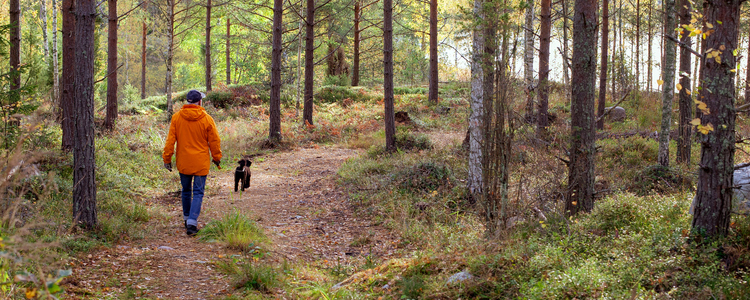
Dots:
pixel 668 85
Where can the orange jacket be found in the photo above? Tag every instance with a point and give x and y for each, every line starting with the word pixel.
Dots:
pixel 195 132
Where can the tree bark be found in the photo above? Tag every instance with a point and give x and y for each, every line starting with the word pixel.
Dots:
pixel 670 53
pixel 686 102
pixel 544 41
pixel 228 59
pixel 492 203
pixel 390 125
pixel 109 122
pixel 68 75
pixel 55 65
pixel 476 117
pixel 433 92
pixel 15 50
pixel 713 199
pixel 650 48
pixel 143 60
pixel 747 74
pixel 208 45
pixel 307 109
pixel 603 70
pixel 43 19
pixel 566 76
pixel 357 33
pixel 170 56
pixel 528 59
pixel 84 185
pixel 274 130
pixel 638 46
pixel 582 147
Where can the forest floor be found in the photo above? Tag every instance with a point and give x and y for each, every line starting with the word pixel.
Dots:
pixel 293 196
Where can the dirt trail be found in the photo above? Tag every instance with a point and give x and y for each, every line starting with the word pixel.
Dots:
pixel 293 196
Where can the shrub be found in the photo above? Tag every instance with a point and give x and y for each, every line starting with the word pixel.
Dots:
pixel 337 80
pixel 659 179
pixel 425 177
pixel 220 99
pixel 409 90
pixel 407 141
pixel 336 94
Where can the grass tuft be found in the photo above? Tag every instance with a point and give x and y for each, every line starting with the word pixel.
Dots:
pixel 235 230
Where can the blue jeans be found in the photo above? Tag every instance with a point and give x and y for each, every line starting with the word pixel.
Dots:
pixel 193 187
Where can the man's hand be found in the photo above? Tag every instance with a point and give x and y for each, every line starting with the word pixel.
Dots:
pixel 218 164
pixel 168 166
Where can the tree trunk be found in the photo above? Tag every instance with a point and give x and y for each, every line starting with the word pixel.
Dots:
pixel 638 46
pixel 390 125
pixel 274 132
pixel 357 32
pixel 613 68
pixel 55 65
pixel 84 187
pixel 307 110
pixel 603 70
pixel 747 74
pixel 109 122
pixel 433 93
pixel 68 75
pixel 670 53
pixel 208 45
pixel 476 117
pixel 492 207
pixel 650 48
pixel 566 66
pixel 713 199
pixel 582 147
pixel 227 59
pixel 170 56
pixel 686 102
pixel 43 19
pixel 143 60
pixel 528 60
pixel 544 41
pixel 15 50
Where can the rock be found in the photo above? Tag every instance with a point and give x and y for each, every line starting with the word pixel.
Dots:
pixel 459 277
pixel 165 248
pixel 616 115
pixel 741 197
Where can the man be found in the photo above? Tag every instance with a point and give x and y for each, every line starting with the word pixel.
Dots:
pixel 195 133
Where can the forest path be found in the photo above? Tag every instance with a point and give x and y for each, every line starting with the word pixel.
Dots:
pixel 293 196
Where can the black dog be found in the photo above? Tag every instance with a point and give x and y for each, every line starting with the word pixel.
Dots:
pixel 242 173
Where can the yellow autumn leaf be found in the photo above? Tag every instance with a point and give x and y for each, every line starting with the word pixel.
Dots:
pixel 679 87
pixel 704 36
pixel 660 82
pixel 709 25
pixel 30 293
pixel 705 129
pixel 722 48
pixel 695 122
pixel 718 59
pixel 688 92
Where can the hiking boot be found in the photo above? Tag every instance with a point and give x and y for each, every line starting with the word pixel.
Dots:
pixel 185 224
pixel 192 230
